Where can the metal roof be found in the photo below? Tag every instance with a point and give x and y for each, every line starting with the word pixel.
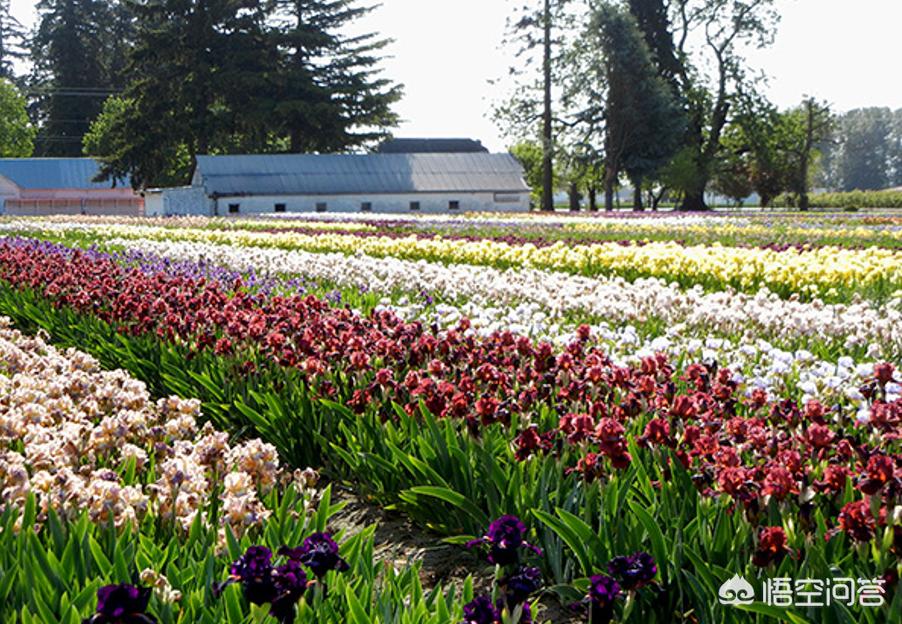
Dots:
pixel 430 146
pixel 342 174
pixel 53 173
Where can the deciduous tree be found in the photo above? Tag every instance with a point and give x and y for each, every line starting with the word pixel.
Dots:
pixel 16 131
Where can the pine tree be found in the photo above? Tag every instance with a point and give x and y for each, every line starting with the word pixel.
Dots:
pixel 71 77
pixel 643 123
pixel 238 76
pixel 198 83
pixel 12 41
pixel 652 19
pixel 332 97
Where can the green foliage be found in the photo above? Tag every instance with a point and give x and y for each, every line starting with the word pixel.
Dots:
pixel 108 139
pixel 446 479
pixel 529 154
pixel 866 149
pixel 853 200
pixel 52 573
pixel 643 122
pixel 771 152
pixel 78 51
pixel 726 28
pixel 16 132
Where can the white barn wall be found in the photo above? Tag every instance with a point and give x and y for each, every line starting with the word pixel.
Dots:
pixel 180 201
pixel 153 204
pixel 396 203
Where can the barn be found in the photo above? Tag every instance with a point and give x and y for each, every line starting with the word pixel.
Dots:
pixel 430 146
pixel 380 182
pixel 42 186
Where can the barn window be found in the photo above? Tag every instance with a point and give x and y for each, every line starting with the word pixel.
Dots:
pixel 321 206
pixel 366 206
pixel 414 205
pixel 234 208
pixel 453 205
pixel 280 208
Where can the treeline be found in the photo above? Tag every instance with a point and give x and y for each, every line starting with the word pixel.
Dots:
pixel 863 152
pixel 145 86
pixel 849 200
pixel 656 95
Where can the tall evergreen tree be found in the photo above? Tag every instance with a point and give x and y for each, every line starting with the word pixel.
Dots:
pixel 232 76
pixel 643 124
pixel 198 78
pixel 654 22
pixel 331 96
pixel 71 77
pixel 12 41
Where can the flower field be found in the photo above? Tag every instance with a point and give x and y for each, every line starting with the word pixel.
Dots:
pixel 612 416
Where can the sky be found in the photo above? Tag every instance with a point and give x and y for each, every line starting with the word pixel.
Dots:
pixel 446 52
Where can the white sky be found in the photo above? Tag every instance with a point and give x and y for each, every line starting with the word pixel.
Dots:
pixel 848 52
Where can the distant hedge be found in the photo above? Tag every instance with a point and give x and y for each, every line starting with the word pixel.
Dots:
pixel 853 200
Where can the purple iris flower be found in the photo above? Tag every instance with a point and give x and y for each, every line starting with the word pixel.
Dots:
pixel 122 604
pixel 603 590
pixel 290 582
pixel 505 537
pixel 634 571
pixel 480 610
pixel 254 571
pixel 319 552
pixel 519 586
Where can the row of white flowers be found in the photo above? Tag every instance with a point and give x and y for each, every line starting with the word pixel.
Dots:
pixel 758 362
pixel 539 303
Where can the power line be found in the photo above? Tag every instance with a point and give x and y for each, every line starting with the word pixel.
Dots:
pixel 57 88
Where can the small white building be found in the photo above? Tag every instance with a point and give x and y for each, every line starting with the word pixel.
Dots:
pixel 390 183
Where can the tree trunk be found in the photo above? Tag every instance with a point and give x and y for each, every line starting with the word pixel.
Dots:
pixel 657 197
pixel 694 200
pixel 547 137
pixel 608 194
pixel 573 193
pixel 593 200
pixel 806 152
pixel 637 196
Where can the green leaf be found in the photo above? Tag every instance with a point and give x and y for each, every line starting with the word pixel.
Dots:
pixel 569 536
pixel 654 534
pixel 451 497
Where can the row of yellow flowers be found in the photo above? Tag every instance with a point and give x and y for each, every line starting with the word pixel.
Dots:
pixel 829 272
pixel 749 228
pixel 729 228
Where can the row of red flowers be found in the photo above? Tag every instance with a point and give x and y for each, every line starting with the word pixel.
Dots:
pixel 753 448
